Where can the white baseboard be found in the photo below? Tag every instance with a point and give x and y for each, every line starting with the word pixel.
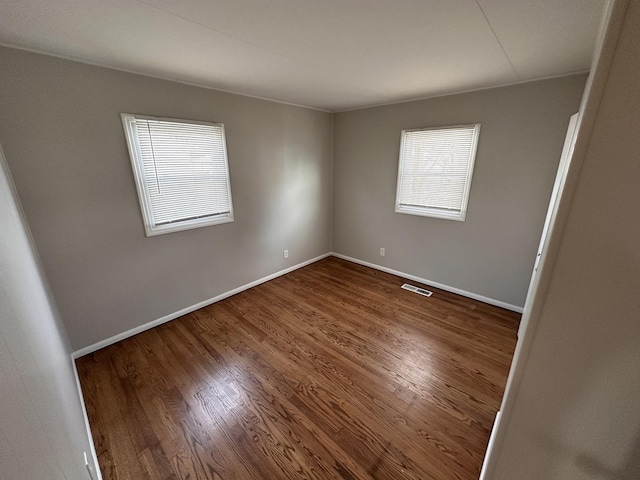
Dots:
pixel 192 308
pixel 94 455
pixel 464 293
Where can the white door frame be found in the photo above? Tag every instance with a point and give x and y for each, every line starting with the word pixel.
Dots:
pixel 552 212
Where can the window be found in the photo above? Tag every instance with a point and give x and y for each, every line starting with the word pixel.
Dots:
pixel 435 169
pixel 181 172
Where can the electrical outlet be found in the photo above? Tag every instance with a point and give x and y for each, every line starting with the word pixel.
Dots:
pixel 382 252
pixel 286 254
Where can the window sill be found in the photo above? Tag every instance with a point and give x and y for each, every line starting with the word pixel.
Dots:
pixel 429 212
pixel 152 231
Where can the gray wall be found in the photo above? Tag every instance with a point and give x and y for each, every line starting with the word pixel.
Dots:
pixel 492 252
pixel 42 431
pixel 62 134
pixel 576 415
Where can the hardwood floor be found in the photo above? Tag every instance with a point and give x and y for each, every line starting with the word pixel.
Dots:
pixel 330 372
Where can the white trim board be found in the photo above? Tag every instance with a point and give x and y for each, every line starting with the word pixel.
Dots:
pixel 94 455
pixel 458 291
pixel 172 316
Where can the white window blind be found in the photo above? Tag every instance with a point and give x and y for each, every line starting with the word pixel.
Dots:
pixel 181 172
pixel 435 169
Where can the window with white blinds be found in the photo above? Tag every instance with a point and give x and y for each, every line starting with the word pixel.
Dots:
pixel 435 169
pixel 181 172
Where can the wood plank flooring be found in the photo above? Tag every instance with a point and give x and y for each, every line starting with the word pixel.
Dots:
pixel 329 372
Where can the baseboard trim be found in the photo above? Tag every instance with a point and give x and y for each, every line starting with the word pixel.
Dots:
pixel 490 446
pixel 172 316
pixel 441 286
pixel 94 455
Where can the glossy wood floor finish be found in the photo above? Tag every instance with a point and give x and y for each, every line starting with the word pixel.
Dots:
pixel 329 372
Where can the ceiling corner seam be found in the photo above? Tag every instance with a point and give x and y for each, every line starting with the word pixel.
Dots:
pixel 495 35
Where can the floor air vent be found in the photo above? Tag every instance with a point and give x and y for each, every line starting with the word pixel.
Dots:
pixel 418 290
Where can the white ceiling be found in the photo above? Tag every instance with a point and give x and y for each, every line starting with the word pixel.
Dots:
pixel 327 54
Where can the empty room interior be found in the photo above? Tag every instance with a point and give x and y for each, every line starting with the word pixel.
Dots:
pixel 278 239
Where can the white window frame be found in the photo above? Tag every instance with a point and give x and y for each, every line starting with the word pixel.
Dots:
pixel 427 211
pixel 151 228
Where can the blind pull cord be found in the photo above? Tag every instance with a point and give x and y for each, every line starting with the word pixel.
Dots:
pixel 153 154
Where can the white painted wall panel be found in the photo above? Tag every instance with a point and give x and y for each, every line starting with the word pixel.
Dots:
pixel 42 431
